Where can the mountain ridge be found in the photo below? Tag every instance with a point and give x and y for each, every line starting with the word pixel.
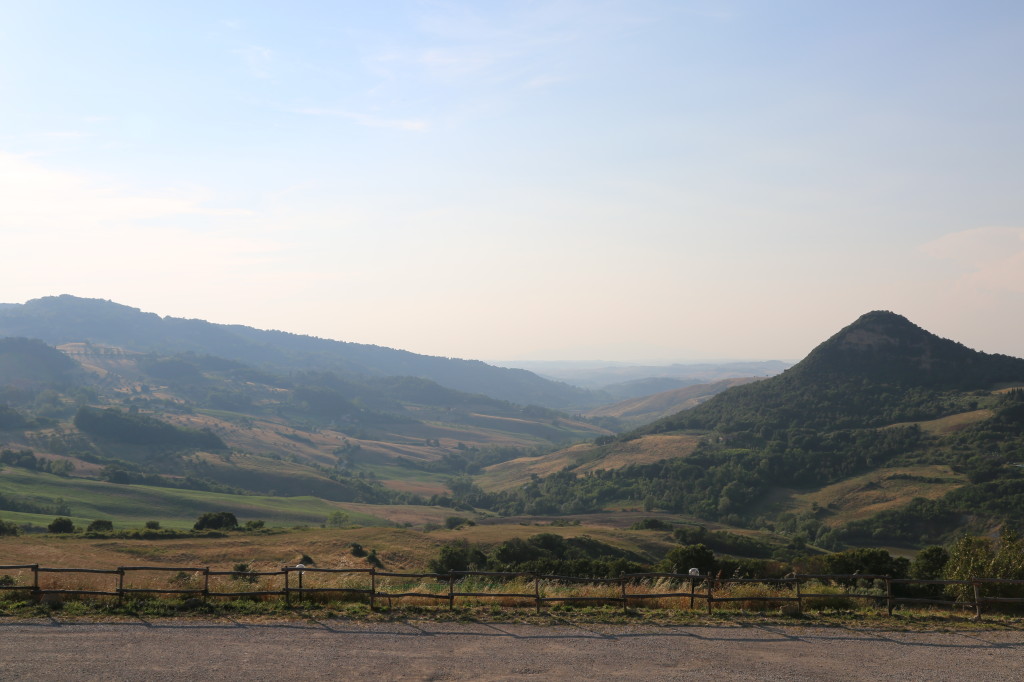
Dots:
pixel 58 320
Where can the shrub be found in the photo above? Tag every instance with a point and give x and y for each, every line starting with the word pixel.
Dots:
pixel 100 526
pixel 61 524
pixel 8 528
pixel 254 525
pixel 153 525
pixel 216 521
pixel 453 522
pixel 244 573
pixel 357 550
pixel 650 524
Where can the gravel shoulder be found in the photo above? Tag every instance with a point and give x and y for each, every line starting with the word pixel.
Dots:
pixel 225 649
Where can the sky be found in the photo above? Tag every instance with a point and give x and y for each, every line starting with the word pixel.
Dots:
pixel 640 181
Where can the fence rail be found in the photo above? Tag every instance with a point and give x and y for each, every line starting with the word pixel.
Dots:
pixel 699 587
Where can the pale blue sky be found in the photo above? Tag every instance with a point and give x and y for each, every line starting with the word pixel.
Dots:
pixel 641 180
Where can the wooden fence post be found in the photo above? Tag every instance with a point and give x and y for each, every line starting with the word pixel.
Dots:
pixel 888 593
pixel 120 585
pixel 373 588
pixel 451 589
pixel 206 584
pixel 300 586
pixel 536 590
pixel 622 583
pixel 977 599
pixel 35 582
pixel 693 586
pixel 799 598
pixel 710 595
pixel 287 589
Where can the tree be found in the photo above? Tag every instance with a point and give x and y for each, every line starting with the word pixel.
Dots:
pixel 61 524
pixel 8 528
pixel 216 521
pixel 929 563
pixel 337 519
pixel 100 526
pixel 684 557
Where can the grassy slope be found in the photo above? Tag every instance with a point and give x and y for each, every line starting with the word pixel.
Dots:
pixel 588 457
pixel 863 496
pixel 133 505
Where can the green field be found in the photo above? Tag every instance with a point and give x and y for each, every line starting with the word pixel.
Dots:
pixel 133 505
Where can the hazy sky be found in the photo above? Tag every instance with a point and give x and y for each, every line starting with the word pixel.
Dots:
pixel 631 180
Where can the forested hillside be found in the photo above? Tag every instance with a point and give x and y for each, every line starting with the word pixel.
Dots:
pixel 882 393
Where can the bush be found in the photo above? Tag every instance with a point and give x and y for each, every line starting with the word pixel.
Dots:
pixel 254 525
pixel 153 525
pixel 357 550
pixel 100 526
pixel 61 524
pixel 650 524
pixel 457 556
pixel 867 561
pixel 216 521
pixel 8 528
pixel 453 522
pixel 244 573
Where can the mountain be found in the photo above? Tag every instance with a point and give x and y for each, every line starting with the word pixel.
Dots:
pixel 884 433
pixel 65 319
pixel 882 369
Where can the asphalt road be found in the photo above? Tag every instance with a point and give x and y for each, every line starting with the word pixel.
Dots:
pixel 229 650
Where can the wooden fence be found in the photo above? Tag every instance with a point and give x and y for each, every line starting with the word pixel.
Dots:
pixel 710 590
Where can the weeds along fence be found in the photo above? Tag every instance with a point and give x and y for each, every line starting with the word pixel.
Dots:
pixel 302 584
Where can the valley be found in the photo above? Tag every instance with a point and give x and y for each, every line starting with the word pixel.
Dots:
pixel 884 435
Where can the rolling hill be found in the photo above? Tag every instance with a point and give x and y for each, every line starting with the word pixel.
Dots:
pixel 64 319
pixel 210 425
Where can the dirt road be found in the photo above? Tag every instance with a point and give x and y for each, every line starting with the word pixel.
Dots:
pixel 229 650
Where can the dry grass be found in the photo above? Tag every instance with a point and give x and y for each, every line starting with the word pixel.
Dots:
pixel 949 424
pixel 587 457
pixel 863 496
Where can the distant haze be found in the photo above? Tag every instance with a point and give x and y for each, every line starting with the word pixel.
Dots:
pixel 627 180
